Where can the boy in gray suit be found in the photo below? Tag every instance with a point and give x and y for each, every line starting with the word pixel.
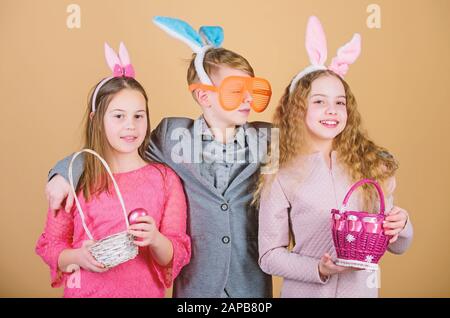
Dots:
pixel 218 158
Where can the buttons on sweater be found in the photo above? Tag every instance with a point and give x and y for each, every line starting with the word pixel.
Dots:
pixel 224 207
pixel 225 240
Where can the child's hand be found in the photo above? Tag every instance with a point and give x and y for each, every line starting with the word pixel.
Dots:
pixel 85 260
pixel 145 228
pixel 56 190
pixel 327 267
pixel 395 222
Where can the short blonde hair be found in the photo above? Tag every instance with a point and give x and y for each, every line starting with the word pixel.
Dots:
pixel 215 58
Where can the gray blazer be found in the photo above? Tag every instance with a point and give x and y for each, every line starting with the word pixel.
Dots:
pixel 223 228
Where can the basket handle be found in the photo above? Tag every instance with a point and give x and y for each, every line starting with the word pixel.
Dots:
pixel 80 211
pixel 360 183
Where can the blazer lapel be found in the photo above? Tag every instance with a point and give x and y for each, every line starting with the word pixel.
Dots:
pixel 255 162
pixel 193 168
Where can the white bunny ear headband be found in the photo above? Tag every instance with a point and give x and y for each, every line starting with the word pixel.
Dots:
pixel 316 46
pixel 120 65
pixel 206 38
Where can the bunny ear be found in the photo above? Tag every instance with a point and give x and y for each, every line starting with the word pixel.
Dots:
pixel 213 35
pixel 111 57
pixel 128 69
pixel 123 55
pixel 181 31
pixel 316 43
pixel 346 55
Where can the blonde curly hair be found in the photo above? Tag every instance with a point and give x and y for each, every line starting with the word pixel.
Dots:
pixel 360 155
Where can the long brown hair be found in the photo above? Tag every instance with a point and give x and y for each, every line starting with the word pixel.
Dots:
pixel 94 178
pixel 360 155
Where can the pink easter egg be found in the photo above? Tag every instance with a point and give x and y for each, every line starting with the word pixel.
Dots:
pixel 135 214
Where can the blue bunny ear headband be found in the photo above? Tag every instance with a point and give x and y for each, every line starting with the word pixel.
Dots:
pixel 200 42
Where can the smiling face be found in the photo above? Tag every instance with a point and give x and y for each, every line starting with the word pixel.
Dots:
pixel 326 115
pixel 125 121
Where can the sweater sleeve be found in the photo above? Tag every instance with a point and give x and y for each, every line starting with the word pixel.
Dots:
pixel 273 237
pixel 405 236
pixel 173 226
pixel 57 236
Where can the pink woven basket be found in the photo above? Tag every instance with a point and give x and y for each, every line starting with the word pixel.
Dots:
pixel 359 237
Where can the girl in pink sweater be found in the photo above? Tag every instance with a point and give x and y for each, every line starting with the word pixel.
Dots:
pixel 118 129
pixel 322 152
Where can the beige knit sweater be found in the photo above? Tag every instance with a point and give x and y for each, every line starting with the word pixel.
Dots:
pixel 300 198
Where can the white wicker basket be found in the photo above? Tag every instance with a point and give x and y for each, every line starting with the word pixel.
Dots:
pixel 117 248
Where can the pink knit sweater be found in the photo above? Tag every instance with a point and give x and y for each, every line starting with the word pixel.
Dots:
pixel 300 198
pixel 155 188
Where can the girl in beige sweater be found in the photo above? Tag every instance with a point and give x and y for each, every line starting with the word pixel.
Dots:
pixel 322 152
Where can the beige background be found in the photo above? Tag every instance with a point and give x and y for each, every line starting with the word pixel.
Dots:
pixel 401 82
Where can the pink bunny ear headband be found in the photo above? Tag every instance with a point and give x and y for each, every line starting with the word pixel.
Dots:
pixel 120 65
pixel 316 46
